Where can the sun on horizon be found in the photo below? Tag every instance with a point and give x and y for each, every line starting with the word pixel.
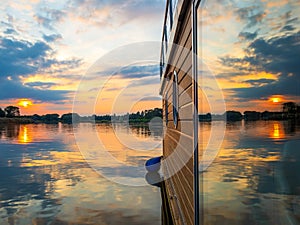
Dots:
pixel 25 103
pixel 275 99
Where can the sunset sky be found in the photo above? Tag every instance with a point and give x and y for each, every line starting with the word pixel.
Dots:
pixel 47 46
pixel 253 50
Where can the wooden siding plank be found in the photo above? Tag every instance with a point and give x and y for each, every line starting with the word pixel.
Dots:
pixel 183 165
pixel 184 113
pixel 180 139
pixel 186 28
pixel 185 127
pixel 183 183
pixel 185 79
pixel 185 97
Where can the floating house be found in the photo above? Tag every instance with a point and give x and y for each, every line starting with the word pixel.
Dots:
pixel 232 32
pixel 179 93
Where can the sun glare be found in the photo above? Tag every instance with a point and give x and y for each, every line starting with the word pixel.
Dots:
pixel 275 100
pixel 25 103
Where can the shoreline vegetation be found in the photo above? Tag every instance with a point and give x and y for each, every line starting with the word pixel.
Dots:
pixel 11 115
pixel 140 117
pixel 290 111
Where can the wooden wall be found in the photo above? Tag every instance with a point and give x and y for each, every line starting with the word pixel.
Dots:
pixel 178 141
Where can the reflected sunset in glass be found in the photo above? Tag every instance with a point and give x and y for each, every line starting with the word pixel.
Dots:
pixel 246 177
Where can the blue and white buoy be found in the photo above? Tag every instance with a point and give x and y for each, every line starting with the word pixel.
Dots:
pixel 153 164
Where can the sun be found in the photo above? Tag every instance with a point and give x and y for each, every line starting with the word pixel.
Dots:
pixel 25 103
pixel 275 99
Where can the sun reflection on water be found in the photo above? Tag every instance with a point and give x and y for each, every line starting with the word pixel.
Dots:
pixel 24 136
pixel 49 179
pixel 276 131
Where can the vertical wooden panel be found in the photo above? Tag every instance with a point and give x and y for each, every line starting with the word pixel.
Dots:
pixel 178 141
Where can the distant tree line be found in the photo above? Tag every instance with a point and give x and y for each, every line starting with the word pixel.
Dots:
pixel 10 112
pixel 146 115
pixel 13 112
pixel 140 116
pixel 290 110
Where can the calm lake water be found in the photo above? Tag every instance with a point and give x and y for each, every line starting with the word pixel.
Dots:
pixel 44 179
pixel 256 177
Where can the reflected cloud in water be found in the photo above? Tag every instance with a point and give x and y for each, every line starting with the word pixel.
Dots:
pixel 252 180
pixel 45 179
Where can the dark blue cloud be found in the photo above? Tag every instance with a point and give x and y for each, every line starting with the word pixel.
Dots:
pixel 139 71
pixel 128 72
pixel 278 55
pixel 246 36
pixel 23 58
pixel 259 82
pixel 288 28
pixel 20 57
pixel 43 85
pixel 14 89
pixel 10 31
pixel 284 86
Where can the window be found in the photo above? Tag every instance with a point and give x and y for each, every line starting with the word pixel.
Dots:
pixel 173 7
pixel 250 49
pixel 175 99
pixel 166 108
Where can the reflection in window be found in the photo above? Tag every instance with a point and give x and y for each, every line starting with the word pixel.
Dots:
pixel 162 60
pixel 252 49
pixel 166 36
pixel 175 99
pixel 174 5
pixel 166 108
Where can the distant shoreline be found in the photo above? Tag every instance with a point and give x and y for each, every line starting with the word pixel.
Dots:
pixel 6 120
pixel 24 120
pixel 72 118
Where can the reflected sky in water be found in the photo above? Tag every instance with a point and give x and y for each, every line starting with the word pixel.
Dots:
pixel 45 180
pixel 255 178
